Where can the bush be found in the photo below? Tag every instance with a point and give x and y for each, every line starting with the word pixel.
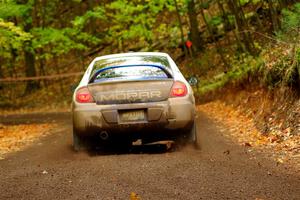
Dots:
pixel 291 24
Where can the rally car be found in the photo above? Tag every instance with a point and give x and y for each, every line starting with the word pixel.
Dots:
pixel 133 96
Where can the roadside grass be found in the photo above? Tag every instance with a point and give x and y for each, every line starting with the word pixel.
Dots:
pixel 276 67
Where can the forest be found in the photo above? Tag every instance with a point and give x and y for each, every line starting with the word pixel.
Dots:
pixel 46 45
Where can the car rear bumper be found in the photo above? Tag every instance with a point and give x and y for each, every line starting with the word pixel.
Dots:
pixel 170 115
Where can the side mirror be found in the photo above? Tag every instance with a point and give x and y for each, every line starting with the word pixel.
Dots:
pixel 193 81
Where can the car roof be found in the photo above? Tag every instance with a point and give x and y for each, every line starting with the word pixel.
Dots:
pixel 131 54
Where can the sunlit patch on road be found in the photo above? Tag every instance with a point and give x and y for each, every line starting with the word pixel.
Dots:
pixel 16 137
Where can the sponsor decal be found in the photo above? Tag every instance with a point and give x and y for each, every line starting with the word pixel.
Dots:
pixel 130 96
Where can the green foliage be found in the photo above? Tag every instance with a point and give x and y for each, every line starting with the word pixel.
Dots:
pixel 273 76
pixel 58 41
pixel 298 56
pixel 11 38
pixel 97 13
pixel 56 27
pixel 133 20
pixel 215 21
pixel 67 30
pixel 243 66
pixel 286 69
pixel 130 21
pixel 231 19
pixel 281 66
pixel 244 2
pixel 11 9
pixel 291 24
pixel 205 5
pixel 53 41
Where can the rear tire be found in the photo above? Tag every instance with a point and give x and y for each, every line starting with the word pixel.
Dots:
pixel 196 142
pixel 191 136
pixel 78 142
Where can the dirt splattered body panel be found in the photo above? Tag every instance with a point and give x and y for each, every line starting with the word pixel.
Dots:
pixel 137 100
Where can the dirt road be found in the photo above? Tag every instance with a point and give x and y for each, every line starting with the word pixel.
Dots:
pixel 220 170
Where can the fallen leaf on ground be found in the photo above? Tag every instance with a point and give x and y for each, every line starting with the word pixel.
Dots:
pixel 279 160
pixel 247 144
pixel 134 196
pixel 16 137
pixel 242 128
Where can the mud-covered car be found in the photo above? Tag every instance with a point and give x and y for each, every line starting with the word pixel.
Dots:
pixel 126 97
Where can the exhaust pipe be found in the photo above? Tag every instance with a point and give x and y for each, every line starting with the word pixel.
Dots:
pixel 104 135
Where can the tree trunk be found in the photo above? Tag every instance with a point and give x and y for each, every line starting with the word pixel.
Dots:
pixel 30 70
pixel 194 27
pixel 274 16
pixel 283 4
pixel 242 26
pixel 1 64
pixel 91 25
pixel 218 47
pixel 256 16
pixel 181 28
pixel 1 75
pixel 227 25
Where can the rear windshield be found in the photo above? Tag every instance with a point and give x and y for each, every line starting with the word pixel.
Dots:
pixel 132 60
pixel 149 72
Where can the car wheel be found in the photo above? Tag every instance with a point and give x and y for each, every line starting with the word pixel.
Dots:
pixel 196 142
pixel 78 143
pixel 191 136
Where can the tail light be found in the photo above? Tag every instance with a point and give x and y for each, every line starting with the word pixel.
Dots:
pixel 83 95
pixel 179 89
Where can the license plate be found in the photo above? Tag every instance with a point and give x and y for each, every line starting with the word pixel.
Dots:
pixel 137 115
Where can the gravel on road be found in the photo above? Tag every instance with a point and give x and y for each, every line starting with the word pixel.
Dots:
pixel 221 169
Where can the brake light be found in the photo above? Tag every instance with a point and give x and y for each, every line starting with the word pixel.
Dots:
pixel 179 89
pixel 83 95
